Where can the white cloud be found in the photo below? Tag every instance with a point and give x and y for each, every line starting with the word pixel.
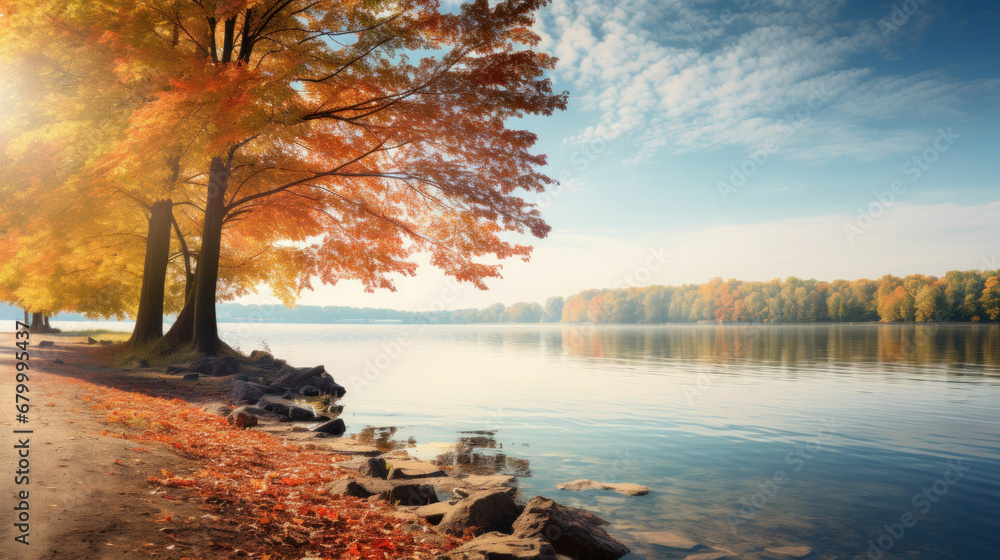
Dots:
pixel 682 76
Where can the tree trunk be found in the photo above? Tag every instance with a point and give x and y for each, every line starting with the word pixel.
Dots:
pixel 45 321
pixel 182 331
pixel 27 317
pixel 38 322
pixel 206 329
pixel 149 320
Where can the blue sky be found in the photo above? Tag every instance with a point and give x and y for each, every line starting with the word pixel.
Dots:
pixel 755 139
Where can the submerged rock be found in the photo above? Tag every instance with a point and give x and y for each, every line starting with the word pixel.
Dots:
pixel 410 468
pixel 791 551
pixel 573 532
pixel 625 488
pixel 668 539
pixel 46 344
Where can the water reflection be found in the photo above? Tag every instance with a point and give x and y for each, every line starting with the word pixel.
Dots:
pixel 480 453
pixel 381 438
pixel 703 414
pixel 476 452
pixel 788 345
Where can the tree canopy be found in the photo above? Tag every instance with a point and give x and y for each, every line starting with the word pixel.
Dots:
pixel 283 142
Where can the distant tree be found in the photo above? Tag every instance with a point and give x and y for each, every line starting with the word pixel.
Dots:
pixel 553 310
pixel 990 299
pixel 928 302
pixel 524 312
pixel 656 304
pixel 492 314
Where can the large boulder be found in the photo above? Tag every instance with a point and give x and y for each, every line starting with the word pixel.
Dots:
pixel 336 427
pixel 264 360
pixel 293 377
pixel 328 386
pixel 348 487
pixel 216 366
pixel 403 494
pixel 433 513
pixel 247 392
pixel 278 408
pixel 309 391
pixel 573 532
pixel 299 414
pixel 411 495
pixel 498 546
pixel 483 512
pixel 242 419
pixel 374 467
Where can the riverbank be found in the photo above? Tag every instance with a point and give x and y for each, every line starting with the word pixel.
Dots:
pixel 128 463
pixel 163 467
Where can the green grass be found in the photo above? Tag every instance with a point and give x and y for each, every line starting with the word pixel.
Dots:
pixel 97 334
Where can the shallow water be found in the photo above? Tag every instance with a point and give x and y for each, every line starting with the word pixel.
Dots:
pixel 750 437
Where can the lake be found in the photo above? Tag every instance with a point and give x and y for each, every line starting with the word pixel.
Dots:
pixel 843 438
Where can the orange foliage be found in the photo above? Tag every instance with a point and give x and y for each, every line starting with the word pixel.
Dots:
pixel 266 483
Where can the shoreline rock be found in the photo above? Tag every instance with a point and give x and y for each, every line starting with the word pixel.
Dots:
pixel 573 532
pixel 486 505
pixel 626 488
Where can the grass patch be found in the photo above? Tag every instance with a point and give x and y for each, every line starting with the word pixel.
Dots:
pixel 98 334
pixel 121 355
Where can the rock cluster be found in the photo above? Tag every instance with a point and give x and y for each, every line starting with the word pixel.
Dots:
pixel 485 506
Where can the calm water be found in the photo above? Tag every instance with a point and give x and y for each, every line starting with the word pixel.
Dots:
pixel 750 437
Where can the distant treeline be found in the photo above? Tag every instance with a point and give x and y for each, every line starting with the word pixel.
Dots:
pixel 496 313
pixel 958 296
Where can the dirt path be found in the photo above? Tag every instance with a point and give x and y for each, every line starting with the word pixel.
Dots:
pixel 89 497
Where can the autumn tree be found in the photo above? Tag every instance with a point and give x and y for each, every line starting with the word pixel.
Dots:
pixel 990 299
pixel 524 312
pixel 310 118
